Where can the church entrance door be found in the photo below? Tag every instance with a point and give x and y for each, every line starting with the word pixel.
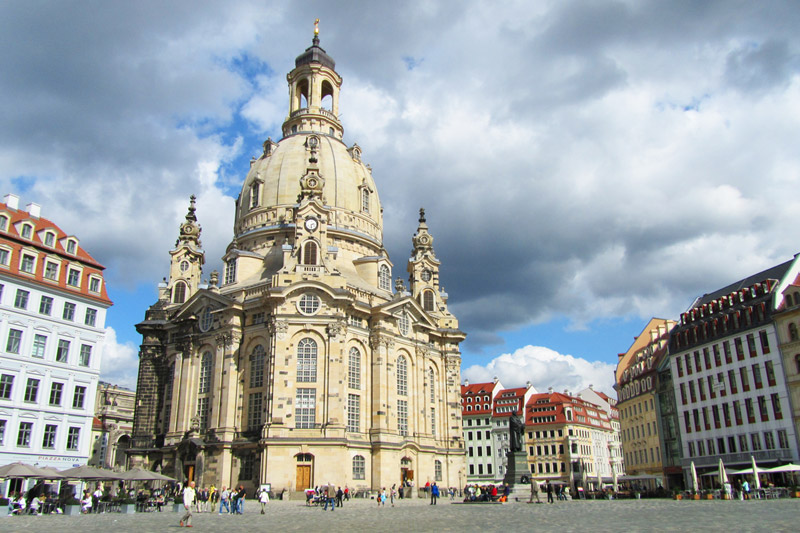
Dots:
pixel 303 477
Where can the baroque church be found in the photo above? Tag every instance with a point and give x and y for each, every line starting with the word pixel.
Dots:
pixel 305 364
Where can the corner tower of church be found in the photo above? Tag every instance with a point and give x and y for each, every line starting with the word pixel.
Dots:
pixel 302 365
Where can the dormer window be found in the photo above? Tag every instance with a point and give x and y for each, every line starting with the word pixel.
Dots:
pixel 5 256
pixel 49 239
pixel 27 263
pixel 254 192
pixel 364 200
pixel 74 277
pixel 71 246
pixel 230 271
pixel 27 231
pixel 3 222
pixel 384 278
pixel 94 284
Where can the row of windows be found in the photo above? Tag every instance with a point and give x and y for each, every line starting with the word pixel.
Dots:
pixel 639 457
pixel 26 232
pixel 708 383
pixel 52 269
pixel 49 435
pixel 480 469
pixel 725 353
pixel 23 297
pixel 633 410
pixel 638 431
pixel 32 387
pixel 39 348
pixel 730 412
pixel 479 451
pixel 739 444
pixel 546 449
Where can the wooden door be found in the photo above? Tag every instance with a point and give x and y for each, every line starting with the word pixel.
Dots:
pixel 303 477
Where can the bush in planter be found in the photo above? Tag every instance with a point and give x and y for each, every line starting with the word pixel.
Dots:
pixel 4 502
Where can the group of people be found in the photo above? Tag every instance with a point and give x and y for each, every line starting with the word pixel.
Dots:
pixel 18 504
pixel 486 493
pixel 327 495
pixel 204 500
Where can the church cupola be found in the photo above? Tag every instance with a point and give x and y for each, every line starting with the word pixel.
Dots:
pixel 186 265
pixel 314 93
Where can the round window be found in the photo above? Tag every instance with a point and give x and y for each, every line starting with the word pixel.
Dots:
pixel 309 304
pixel 206 319
pixel 184 266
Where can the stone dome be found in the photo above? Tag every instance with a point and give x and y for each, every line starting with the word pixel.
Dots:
pixel 274 186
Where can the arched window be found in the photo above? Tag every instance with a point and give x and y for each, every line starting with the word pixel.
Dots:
pixel 432 384
pixel 427 301
pixel 364 200
pixel 797 362
pixel 437 470
pixel 384 278
pixel 179 293
pixel 204 384
pixel 257 359
pixel 402 376
pixel 359 467
pixel 3 223
pixel 307 361
pixel 354 369
pixel 310 253
pixel 792 332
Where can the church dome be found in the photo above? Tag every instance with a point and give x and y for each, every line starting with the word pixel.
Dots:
pixel 274 184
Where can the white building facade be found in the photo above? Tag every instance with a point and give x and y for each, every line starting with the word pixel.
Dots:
pixel 728 376
pixel 53 306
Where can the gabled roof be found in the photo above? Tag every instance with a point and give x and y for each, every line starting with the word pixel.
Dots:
pixel 776 272
pixel 473 398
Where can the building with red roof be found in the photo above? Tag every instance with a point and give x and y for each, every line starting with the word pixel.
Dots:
pixel 54 303
pixel 563 433
pixel 477 401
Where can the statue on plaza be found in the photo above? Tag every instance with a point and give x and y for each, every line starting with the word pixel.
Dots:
pixel 515 430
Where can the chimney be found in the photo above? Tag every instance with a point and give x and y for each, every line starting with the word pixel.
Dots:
pixel 12 201
pixel 549 390
pixel 34 210
pixel 528 385
pixel 466 383
pixel 591 387
pixel 495 380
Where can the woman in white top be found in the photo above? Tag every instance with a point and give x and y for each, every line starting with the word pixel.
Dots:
pixel 264 499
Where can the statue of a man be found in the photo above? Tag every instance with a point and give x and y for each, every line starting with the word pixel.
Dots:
pixel 515 428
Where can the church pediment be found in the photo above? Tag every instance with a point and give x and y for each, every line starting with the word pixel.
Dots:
pixel 411 306
pixel 199 301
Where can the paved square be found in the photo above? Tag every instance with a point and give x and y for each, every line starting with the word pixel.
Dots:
pixel 418 515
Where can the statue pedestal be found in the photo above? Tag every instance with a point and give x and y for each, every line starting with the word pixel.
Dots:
pixel 517 467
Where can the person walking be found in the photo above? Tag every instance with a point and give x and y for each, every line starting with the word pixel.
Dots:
pixel 263 497
pixel 534 492
pixel 434 493
pixel 188 500
pixel 549 489
pixel 224 500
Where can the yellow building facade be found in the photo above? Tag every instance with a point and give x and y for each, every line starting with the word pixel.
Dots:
pixel 636 376
pixel 305 364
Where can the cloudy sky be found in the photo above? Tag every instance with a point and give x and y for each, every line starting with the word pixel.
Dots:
pixel 584 165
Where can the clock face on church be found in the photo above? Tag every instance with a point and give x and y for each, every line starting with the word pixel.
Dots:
pixel 311 224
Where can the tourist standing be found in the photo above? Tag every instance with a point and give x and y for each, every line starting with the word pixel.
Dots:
pixel 534 492
pixel 240 496
pixel 330 497
pixel 188 500
pixel 393 493
pixel 434 493
pixel 549 489
pixel 339 497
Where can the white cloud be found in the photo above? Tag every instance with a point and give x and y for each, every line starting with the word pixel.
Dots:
pixel 120 362
pixel 544 368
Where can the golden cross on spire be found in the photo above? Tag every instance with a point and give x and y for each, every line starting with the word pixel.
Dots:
pixel 316 27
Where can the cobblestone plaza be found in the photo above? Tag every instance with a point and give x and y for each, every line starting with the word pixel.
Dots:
pixel 418 515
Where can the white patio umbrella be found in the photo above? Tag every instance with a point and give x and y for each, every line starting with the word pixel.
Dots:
pixel 756 478
pixel 723 476
pixel 694 478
